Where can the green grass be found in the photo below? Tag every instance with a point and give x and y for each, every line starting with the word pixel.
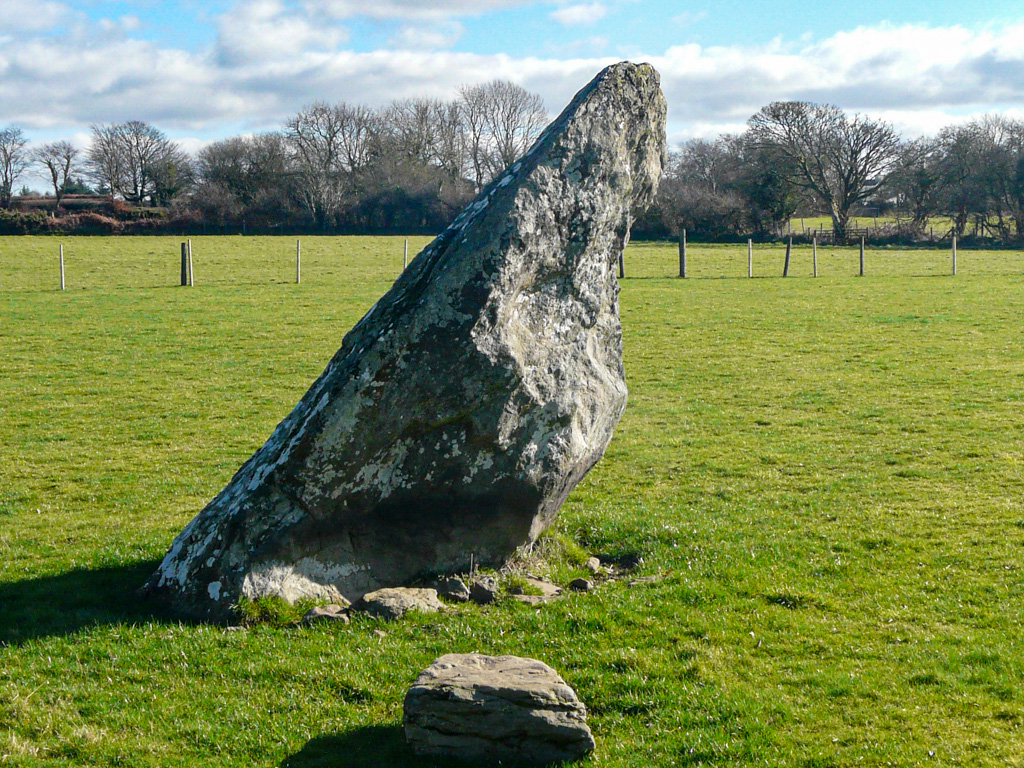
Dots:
pixel 829 474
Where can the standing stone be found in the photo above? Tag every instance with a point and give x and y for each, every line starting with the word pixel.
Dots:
pixel 465 406
pixel 495 709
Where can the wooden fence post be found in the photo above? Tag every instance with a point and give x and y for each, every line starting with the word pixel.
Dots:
pixel 622 266
pixel 191 281
pixel 789 250
pixel 814 245
pixel 62 266
pixel 954 254
pixel 682 253
pixel 406 254
pixel 184 264
pixel 298 261
pixel 862 256
pixel 750 257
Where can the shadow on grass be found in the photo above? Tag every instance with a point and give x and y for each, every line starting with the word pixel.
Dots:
pixel 375 746
pixel 61 605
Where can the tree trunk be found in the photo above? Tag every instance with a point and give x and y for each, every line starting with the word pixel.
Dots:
pixel 840 224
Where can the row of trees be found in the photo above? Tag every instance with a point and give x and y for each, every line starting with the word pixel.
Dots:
pixel 412 164
pixel 798 157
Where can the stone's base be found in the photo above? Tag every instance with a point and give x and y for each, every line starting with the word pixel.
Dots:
pixel 495 709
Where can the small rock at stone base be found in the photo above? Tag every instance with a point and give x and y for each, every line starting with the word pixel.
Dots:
pixel 336 612
pixel 495 709
pixel 581 585
pixel 453 589
pixel 393 603
pixel 539 587
pixel 483 591
pixel 547 590
pixel 593 565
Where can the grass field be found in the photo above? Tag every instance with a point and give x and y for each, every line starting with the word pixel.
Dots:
pixel 828 473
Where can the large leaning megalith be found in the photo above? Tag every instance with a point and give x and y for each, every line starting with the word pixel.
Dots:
pixel 464 407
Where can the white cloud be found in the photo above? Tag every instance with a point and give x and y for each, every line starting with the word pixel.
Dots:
pixel 427 36
pixel 410 9
pixel 264 31
pixel 270 59
pixel 575 15
pixel 15 17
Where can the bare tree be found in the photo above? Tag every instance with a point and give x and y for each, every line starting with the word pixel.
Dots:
pixel 137 161
pixel 839 160
pixel 501 121
pixel 103 160
pixel 917 181
pixel 412 126
pixel 14 160
pixel 245 166
pixel 59 158
pixel 315 139
pixel 517 118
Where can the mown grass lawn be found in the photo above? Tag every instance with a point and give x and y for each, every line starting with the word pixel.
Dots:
pixel 828 473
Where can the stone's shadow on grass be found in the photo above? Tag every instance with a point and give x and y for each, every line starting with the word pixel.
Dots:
pixel 69 602
pixel 367 747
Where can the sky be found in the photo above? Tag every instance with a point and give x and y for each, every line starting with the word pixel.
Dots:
pixel 205 69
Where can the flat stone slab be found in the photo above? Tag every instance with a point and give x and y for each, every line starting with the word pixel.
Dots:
pixel 394 603
pixel 495 709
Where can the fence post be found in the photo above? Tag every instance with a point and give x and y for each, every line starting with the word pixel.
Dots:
pixel 406 254
pixel 184 264
pixel 750 257
pixel 814 245
pixel 862 256
pixel 190 280
pixel 682 253
pixel 298 261
pixel 954 254
pixel 622 266
pixel 62 266
pixel 789 250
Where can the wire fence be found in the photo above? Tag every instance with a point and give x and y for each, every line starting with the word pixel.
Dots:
pixel 44 263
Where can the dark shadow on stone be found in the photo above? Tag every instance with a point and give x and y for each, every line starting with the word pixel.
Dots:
pixel 375 746
pixel 69 602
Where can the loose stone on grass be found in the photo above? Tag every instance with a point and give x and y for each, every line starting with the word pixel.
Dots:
pixel 484 591
pixel 581 585
pixel 453 589
pixel 333 613
pixel 542 592
pixel 490 709
pixel 391 604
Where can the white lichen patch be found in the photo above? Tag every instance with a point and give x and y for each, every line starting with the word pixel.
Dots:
pixel 308 578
